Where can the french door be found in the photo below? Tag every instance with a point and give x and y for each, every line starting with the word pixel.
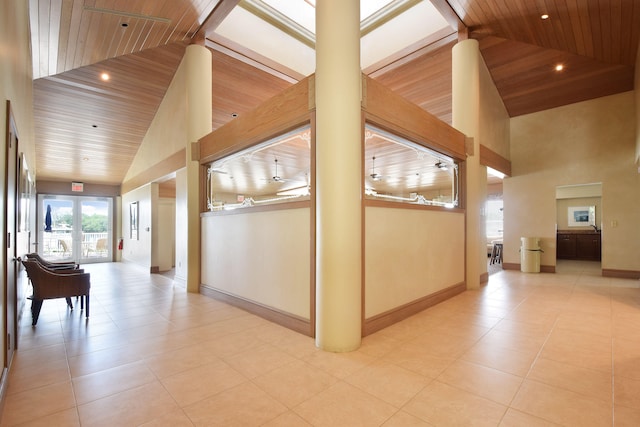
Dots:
pixel 75 228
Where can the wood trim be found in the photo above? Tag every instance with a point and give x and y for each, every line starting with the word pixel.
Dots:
pixel 388 318
pixel 176 161
pixel 280 114
pixel 469 147
pixel 215 18
pixel 494 160
pixel 312 228
pixel 363 230
pixel 282 318
pixel 154 269
pixel 516 266
pixel 622 274
pixel 4 384
pixel 264 208
pixel 395 114
pixel 484 277
pixel 399 205
pixel 449 14
pixel 547 269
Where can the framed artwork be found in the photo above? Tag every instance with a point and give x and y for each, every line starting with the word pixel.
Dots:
pixel 133 221
pixel 25 191
pixel 581 216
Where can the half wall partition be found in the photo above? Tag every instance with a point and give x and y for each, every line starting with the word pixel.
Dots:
pixel 259 226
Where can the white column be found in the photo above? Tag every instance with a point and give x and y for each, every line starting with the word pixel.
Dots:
pixel 466 108
pixel 338 176
pixel 199 112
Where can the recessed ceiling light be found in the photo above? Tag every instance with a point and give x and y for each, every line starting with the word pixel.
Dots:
pixel 234 115
pixel 104 76
pixel 559 67
pixel 94 126
pixel 85 159
pixel 124 25
pixel 544 16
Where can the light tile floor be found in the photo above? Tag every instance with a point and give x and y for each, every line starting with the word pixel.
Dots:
pixel 525 350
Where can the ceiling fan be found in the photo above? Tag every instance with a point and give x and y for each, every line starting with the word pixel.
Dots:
pixel 276 177
pixel 442 166
pixel 375 176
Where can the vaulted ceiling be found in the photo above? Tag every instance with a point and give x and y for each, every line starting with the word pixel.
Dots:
pixel 89 130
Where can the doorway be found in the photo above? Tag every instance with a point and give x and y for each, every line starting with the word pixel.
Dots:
pixel 579 227
pixel 75 228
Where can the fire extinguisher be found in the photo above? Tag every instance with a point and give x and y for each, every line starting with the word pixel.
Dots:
pixel 120 244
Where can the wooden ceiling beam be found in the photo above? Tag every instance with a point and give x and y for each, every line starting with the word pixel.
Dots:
pixel 215 18
pixel 449 15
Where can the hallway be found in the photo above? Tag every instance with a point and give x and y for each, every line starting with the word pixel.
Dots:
pixel 527 349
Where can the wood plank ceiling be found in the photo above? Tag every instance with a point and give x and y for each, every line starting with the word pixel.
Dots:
pixel 140 44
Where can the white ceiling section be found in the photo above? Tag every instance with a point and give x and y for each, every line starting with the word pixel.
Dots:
pixel 411 26
pixel 275 39
pixel 271 43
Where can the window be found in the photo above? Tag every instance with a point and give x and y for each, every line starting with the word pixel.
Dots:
pixel 494 224
pixel 399 170
pixel 275 171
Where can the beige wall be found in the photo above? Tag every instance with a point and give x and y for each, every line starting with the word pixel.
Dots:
pixel 139 250
pixel 16 86
pixel 493 133
pixel 562 211
pixel 494 120
pixel 181 226
pixel 168 131
pixel 264 257
pixel 166 136
pixel 637 92
pixel 410 254
pixel 586 142
pixel 166 217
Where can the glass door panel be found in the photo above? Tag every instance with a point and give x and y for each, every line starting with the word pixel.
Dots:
pixel 75 228
pixel 96 239
pixel 56 241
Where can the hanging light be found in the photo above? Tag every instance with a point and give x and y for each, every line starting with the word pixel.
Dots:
pixel 375 176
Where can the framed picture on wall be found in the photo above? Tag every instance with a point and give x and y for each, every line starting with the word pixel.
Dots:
pixel 133 221
pixel 581 216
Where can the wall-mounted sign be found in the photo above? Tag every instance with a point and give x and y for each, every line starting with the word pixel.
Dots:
pixel 77 186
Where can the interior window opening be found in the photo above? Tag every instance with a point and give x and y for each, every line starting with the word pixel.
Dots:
pixel 275 171
pixel 399 170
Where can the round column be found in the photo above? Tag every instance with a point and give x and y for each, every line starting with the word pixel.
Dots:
pixel 197 60
pixel 338 176
pixel 466 118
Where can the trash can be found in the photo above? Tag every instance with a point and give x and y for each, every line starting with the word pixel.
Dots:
pixel 530 255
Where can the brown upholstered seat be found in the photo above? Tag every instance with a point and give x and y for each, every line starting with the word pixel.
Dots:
pixel 50 284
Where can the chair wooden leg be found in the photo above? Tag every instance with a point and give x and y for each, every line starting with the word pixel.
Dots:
pixel 69 303
pixel 86 297
pixel 36 305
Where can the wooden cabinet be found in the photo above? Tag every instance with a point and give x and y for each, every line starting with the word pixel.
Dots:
pixel 582 246
pixel 566 246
